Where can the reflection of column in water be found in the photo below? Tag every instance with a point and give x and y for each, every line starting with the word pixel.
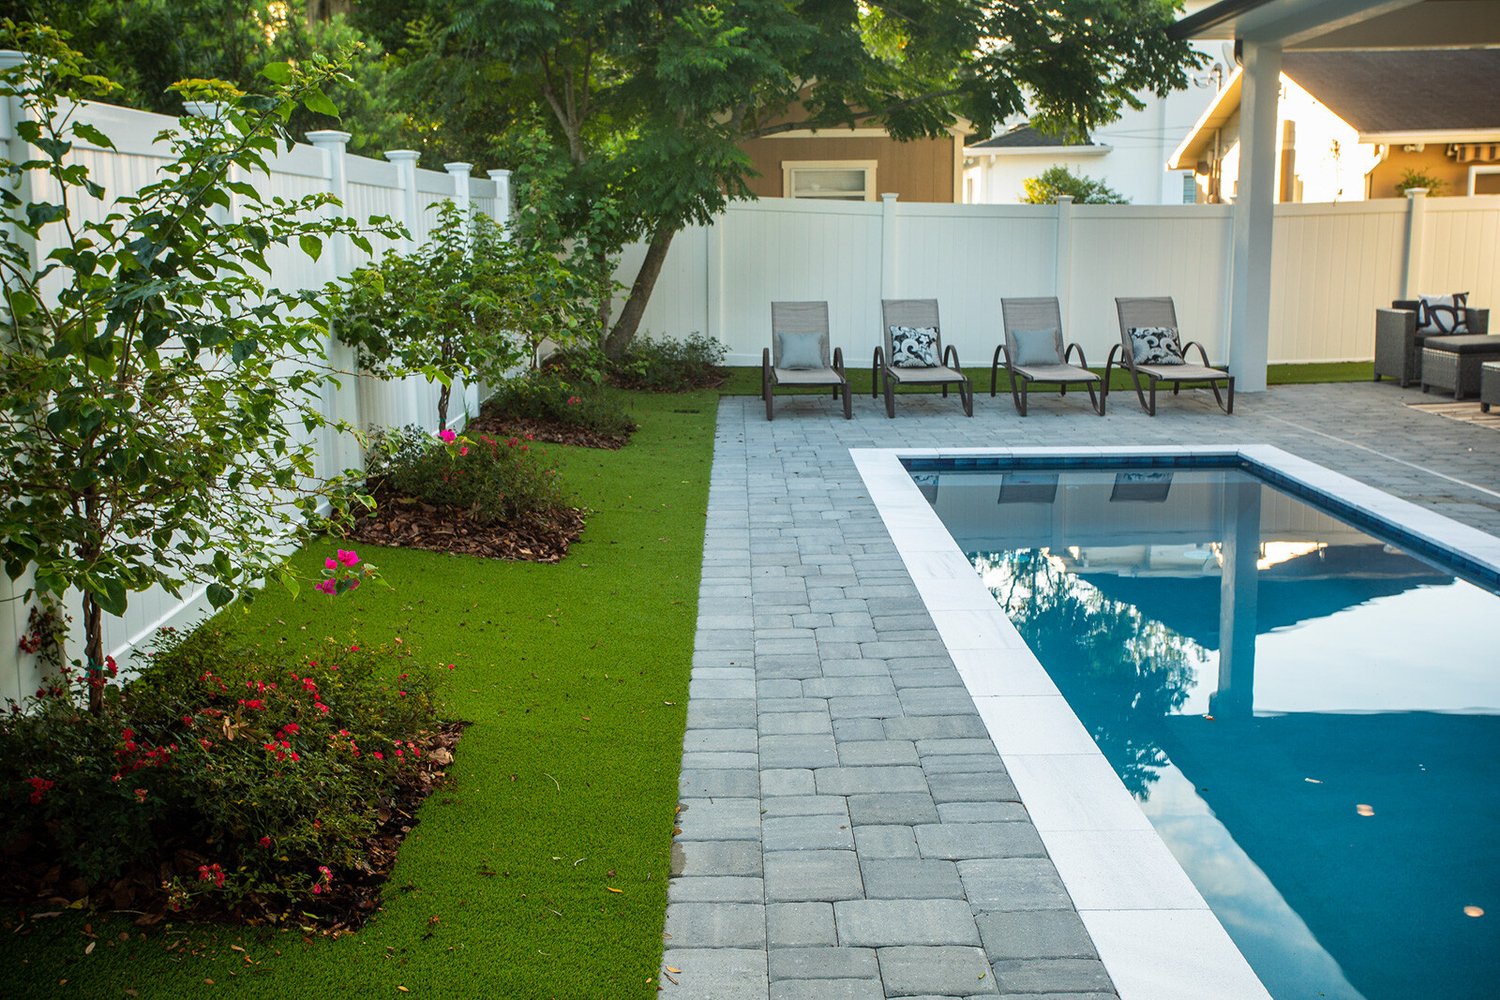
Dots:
pixel 1238 598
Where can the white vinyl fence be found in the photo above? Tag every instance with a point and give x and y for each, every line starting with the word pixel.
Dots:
pixel 393 187
pixel 1334 264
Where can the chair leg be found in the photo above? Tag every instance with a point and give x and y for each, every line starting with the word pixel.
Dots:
pixel 848 412
pixel 890 399
pixel 1230 408
pixel 1023 402
pixel 766 394
pixel 1151 410
pixel 966 396
pixel 1096 400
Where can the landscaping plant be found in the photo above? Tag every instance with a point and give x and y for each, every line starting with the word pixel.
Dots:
pixel 549 396
pixel 467 304
pixel 224 777
pixel 158 401
pixel 488 479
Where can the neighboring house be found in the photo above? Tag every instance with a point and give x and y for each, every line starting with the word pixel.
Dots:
pixel 1129 155
pixel 856 164
pixel 1352 123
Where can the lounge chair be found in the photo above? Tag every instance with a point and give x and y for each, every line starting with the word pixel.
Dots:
pixel 798 355
pixel 900 359
pixel 1034 352
pixel 1156 313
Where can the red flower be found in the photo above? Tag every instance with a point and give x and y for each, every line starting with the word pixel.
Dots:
pixel 265 842
pixel 39 787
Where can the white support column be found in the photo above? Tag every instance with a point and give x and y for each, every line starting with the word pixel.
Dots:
pixel 890 262
pixel 502 198
pixel 1254 214
pixel 1062 281
pixel 406 179
pixel 344 403
pixel 1416 242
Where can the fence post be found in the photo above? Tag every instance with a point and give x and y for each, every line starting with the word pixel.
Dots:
pixel 16 151
pixel 502 198
pixel 713 252
pixel 1416 242
pixel 341 357
pixel 889 245
pixel 1062 280
pixel 406 179
pixel 460 174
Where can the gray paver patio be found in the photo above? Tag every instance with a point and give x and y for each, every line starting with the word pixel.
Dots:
pixel 849 830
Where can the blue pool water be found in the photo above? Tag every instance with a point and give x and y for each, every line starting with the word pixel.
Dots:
pixel 1306 712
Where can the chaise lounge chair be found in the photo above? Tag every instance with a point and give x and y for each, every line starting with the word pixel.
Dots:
pixel 912 353
pixel 1149 353
pixel 1034 352
pixel 798 355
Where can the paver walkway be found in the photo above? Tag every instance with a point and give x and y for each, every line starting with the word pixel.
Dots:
pixel 848 829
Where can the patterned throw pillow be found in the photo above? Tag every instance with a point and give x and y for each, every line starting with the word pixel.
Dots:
pixel 1443 313
pixel 1155 345
pixel 800 351
pixel 914 347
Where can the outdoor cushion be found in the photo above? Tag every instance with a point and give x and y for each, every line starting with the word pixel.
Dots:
pixel 1037 347
pixel 1155 345
pixel 800 350
pixel 914 347
pixel 1443 313
pixel 1469 343
pixel 935 374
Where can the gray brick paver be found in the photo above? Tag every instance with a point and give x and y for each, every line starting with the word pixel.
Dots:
pixel 825 707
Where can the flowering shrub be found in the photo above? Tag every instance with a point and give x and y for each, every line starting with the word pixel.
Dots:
pixel 221 775
pixel 491 479
pixel 655 365
pixel 548 395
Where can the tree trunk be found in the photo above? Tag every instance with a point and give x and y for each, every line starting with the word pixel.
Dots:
pixel 618 341
pixel 443 395
pixel 93 652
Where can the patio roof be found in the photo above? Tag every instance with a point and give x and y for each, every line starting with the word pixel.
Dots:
pixel 1262 30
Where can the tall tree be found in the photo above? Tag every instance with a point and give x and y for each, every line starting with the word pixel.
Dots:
pixel 643 104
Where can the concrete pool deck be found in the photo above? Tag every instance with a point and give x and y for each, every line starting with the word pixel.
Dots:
pixel 849 829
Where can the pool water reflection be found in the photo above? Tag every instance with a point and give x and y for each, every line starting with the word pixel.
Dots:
pixel 1307 714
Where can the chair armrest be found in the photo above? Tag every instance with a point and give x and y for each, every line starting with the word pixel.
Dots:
pixel 765 360
pixel 838 360
pixel 877 365
pixel 1075 349
pixel 1479 320
pixel 952 352
pixel 1202 354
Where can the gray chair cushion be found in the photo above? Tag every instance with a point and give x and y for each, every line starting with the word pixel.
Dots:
pixel 1037 347
pixel 800 350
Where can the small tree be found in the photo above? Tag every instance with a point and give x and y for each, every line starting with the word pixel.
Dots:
pixel 467 304
pixel 150 381
pixel 1417 178
pixel 1045 188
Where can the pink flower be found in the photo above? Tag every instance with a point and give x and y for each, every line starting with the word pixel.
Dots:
pixel 447 436
pixel 463 450
pixel 326 586
pixel 348 557
pixel 574 400
pixel 330 563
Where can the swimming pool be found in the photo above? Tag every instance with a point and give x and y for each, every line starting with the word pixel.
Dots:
pixel 1304 712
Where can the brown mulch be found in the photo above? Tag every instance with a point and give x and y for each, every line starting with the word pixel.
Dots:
pixel 503 426
pixel 401 522
pixel 41 888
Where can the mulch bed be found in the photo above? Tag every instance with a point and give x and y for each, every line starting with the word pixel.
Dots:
pixel 41 888
pixel 401 522
pixel 502 426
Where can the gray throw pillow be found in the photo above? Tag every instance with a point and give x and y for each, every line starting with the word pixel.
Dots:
pixel 800 350
pixel 1037 347
pixel 1155 345
pixel 914 347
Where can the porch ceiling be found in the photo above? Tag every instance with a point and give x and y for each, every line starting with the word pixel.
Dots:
pixel 1310 25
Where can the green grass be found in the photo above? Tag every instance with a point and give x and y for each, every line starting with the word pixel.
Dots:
pixel 574 677
pixel 745 381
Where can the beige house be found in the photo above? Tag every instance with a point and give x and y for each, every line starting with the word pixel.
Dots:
pixel 1352 123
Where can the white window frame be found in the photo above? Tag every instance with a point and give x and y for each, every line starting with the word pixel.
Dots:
pixel 1475 171
pixel 790 167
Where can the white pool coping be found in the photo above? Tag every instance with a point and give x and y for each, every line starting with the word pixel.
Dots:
pixel 1155 934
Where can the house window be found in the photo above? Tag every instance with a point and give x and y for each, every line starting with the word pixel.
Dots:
pixel 1189 189
pixel 835 180
pixel 1484 180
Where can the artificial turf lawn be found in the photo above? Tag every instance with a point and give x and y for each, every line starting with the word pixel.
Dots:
pixel 575 679
pixel 745 381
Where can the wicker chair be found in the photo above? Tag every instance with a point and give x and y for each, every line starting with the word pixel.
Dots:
pixel 915 313
pixel 801 317
pixel 1398 343
pixel 1041 314
pixel 1135 313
